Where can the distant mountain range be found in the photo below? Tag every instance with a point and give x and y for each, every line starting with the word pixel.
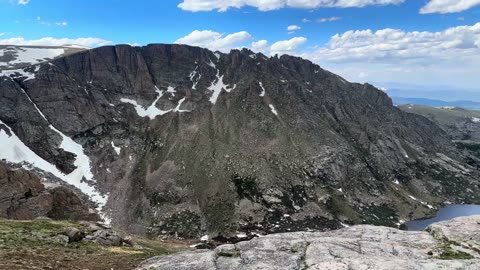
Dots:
pixel 466 104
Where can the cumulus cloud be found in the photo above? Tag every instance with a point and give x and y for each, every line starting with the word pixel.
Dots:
pixel 23 2
pixel 266 5
pixel 448 6
pixel 293 28
pixel 287 46
pixel 393 45
pixel 424 57
pixel 260 46
pixel 214 40
pixel 329 19
pixel 50 41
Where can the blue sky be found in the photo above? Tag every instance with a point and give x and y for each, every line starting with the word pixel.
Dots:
pixel 421 42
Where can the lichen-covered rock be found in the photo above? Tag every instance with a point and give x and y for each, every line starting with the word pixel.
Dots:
pixel 356 247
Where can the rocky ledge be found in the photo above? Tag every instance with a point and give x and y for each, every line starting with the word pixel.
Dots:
pixel 453 244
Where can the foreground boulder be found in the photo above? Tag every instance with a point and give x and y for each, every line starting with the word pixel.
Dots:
pixel 356 247
pixel 23 196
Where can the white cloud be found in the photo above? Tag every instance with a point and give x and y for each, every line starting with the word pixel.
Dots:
pixel 393 44
pixel 266 5
pixel 50 41
pixel 287 46
pixel 293 28
pixel 61 23
pixel 448 6
pixel 329 19
pixel 2 34
pixel 260 46
pixel 23 2
pixel 452 55
pixel 305 20
pixel 214 40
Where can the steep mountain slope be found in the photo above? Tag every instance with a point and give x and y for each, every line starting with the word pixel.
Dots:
pixel 182 141
pixel 463 126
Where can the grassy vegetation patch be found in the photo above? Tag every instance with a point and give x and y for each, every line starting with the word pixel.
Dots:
pixel 450 254
pixel 38 244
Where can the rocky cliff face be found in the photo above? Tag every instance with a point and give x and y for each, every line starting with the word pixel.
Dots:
pixel 23 196
pixel 462 126
pixel 447 245
pixel 181 141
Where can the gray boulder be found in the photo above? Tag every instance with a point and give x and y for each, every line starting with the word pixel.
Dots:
pixel 356 247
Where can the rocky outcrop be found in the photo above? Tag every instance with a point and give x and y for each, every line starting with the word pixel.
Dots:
pixel 356 247
pixel 187 142
pixel 23 196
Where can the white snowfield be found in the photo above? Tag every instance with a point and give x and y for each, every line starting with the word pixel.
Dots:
pixel 116 148
pixel 30 55
pixel 192 76
pixel 217 86
pixel 152 111
pixel 14 150
pixel 262 94
pixel 272 108
pixel 20 73
pixel 35 55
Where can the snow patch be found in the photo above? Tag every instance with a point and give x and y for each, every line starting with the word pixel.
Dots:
pixel 212 64
pixel 272 108
pixel 253 56
pixel 413 198
pixel 204 238
pixel 152 111
pixel 217 54
pixel 171 90
pixel 33 56
pixel 262 94
pixel 217 86
pixel 476 120
pixel 194 81
pixel 177 109
pixel 241 235
pixel 20 73
pixel 396 182
pixel 116 148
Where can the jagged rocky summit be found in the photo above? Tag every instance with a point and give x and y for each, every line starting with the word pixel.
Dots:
pixel 179 141
pixel 449 245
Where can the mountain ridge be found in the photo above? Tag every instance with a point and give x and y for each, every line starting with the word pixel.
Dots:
pixel 185 141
